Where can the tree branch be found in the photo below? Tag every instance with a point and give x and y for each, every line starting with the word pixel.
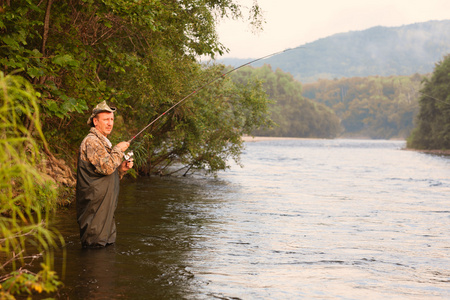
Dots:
pixel 45 33
pixel 46 25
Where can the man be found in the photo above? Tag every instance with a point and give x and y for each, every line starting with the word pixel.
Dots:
pixel 100 168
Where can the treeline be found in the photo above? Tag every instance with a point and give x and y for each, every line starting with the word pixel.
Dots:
pixel 370 107
pixel 433 121
pixel 292 114
pixel 373 107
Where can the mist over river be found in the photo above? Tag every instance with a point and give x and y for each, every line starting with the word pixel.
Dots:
pixel 304 219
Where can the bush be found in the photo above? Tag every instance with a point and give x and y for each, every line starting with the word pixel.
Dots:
pixel 26 196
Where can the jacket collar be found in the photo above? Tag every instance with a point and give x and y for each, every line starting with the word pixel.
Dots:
pixel 102 138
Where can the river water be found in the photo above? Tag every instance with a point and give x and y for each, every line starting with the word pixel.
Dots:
pixel 304 219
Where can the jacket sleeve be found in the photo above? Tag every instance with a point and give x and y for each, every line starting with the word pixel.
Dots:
pixel 105 163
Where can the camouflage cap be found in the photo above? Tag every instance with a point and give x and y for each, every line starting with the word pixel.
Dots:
pixel 101 107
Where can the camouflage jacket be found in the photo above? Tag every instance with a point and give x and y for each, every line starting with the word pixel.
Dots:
pixel 98 150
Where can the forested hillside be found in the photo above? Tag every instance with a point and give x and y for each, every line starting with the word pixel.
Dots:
pixel 294 116
pixel 382 51
pixel 375 107
pixel 370 107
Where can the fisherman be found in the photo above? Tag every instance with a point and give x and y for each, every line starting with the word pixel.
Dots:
pixel 100 168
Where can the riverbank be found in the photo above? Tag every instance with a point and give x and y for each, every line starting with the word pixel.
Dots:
pixel 251 139
pixel 435 152
pixel 271 138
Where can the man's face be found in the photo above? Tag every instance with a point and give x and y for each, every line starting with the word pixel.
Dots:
pixel 104 122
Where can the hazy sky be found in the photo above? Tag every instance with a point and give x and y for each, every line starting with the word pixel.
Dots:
pixel 291 23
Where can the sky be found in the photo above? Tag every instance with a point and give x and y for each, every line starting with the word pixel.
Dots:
pixel 291 23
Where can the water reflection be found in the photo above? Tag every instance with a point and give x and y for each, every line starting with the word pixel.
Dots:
pixel 156 222
pixel 96 269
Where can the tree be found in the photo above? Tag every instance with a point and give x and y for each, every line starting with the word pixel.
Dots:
pixel 293 115
pixel 140 56
pixel 375 107
pixel 433 121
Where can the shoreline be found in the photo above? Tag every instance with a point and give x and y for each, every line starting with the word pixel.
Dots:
pixel 253 139
pixel 435 152
pixel 271 138
pixel 248 138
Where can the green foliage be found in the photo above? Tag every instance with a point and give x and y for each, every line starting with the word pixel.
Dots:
pixel 433 121
pixel 22 282
pixel 139 56
pixel 375 107
pixel 204 132
pixel 26 196
pixel 294 116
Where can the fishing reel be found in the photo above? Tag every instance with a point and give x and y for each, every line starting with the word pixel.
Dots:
pixel 129 156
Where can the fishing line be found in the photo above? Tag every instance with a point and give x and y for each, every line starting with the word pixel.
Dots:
pixel 446 103
pixel 205 85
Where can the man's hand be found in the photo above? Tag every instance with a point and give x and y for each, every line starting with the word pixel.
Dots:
pixel 126 165
pixel 123 146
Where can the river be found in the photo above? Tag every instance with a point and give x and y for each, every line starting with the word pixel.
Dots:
pixel 303 219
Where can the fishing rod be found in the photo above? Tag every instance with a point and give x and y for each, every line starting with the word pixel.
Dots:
pixel 205 85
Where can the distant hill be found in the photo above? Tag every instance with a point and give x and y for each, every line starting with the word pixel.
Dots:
pixel 382 51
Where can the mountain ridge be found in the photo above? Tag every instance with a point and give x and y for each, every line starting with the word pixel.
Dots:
pixel 376 51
